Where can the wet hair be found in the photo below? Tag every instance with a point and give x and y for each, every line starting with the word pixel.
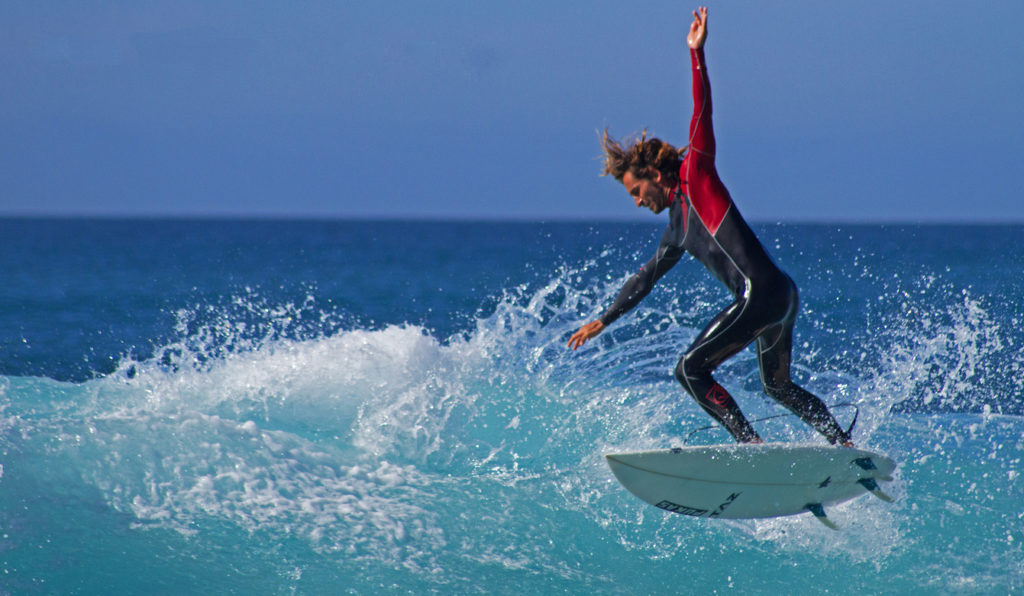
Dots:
pixel 640 154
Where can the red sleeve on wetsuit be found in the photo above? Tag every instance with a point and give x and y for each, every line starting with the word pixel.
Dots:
pixel 708 195
pixel 702 136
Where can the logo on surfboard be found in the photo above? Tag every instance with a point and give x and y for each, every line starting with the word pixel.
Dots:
pixel 695 512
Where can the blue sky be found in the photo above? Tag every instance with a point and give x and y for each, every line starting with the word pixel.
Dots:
pixel 824 111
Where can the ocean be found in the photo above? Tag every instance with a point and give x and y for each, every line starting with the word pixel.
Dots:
pixel 368 407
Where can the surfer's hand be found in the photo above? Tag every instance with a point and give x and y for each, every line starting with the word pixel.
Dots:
pixel 698 29
pixel 586 332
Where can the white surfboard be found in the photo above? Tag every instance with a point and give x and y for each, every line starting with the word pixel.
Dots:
pixel 751 480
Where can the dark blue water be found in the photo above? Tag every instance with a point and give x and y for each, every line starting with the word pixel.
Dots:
pixel 376 406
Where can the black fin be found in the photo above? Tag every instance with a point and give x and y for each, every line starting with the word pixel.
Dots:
pixel 873 488
pixel 819 514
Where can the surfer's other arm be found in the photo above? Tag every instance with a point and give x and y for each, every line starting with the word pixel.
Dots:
pixel 637 287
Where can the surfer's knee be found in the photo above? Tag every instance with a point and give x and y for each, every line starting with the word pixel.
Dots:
pixel 687 372
pixel 696 381
pixel 680 371
pixel 796 399
pixel 776 389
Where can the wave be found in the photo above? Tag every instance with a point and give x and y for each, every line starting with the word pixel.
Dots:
pixel 414 460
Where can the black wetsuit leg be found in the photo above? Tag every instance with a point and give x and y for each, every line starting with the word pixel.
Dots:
pixel 774 356
pixel 729 332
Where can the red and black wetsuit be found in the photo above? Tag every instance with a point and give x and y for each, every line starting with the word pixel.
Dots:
pixel 704 221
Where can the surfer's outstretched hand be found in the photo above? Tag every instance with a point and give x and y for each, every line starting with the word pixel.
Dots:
pixel 588 331
pixel 698 29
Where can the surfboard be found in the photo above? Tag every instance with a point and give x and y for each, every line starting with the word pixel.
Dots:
pixel 742 481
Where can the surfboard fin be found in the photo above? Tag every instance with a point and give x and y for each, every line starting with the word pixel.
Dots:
pixel 819 513
pixel 873 488
pixel 868 464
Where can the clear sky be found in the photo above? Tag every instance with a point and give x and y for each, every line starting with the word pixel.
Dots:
pixel 824 110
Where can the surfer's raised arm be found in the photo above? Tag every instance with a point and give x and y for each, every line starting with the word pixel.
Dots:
pixel 702 136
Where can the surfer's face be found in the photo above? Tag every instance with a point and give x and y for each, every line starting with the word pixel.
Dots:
pixel 647 192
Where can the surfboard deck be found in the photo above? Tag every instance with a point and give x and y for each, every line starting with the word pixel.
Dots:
pixel 743 481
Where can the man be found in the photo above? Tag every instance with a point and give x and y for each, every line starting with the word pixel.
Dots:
pixel 704 221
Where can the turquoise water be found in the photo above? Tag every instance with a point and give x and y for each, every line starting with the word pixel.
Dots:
pixel 387 407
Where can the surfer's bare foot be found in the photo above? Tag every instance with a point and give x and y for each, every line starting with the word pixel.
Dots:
pixel 847 443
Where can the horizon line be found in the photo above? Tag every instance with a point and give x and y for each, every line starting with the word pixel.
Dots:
pixel 490 219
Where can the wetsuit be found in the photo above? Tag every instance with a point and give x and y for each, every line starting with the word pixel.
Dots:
pixel 704 221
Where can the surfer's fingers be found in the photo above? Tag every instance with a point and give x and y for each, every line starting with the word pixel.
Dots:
pixel 584 333
pixel 590 330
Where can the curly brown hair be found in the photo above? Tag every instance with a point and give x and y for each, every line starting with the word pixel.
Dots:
pixel 642 153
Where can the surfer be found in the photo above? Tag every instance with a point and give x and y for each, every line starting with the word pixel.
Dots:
pixel 704 221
